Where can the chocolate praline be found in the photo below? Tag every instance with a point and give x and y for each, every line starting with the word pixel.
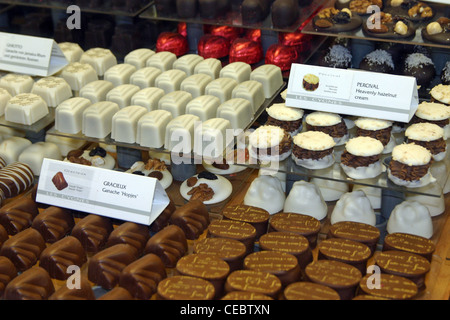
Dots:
pixel 93 232
pixel 18 215
pixel 284 13
pixel 54 223
pixel 32 284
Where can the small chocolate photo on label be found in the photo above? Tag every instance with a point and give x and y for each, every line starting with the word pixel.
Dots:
pixel 310 82
pixel 59 181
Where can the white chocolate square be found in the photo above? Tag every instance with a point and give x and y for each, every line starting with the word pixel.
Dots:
pixel 53 90
pixel 180 133
pixel 11 148
pixel 72 51
pixel 101 59
pixel 238 111
pixel 77 75
pixel 124 123
pixel 138 57
pixel 162 60
pixel 97 119
pixel 270 77
pixel 34 154
pixel 170 80
pixel 204 107
pixel 196 84
pixel 145 77
pixel 119 74
pixel 148 98
pixel 4 98
pixel 175 102
pixel 151 130
pixel 187 63
pixel 252 91
pixel 209 66
pixel 96 91
pixel 211 138
pixel 26 108
pixel 16 83
pixel 65 144
pixel 239 71
pixel 69 115
pixel 122 94
pixel 221 88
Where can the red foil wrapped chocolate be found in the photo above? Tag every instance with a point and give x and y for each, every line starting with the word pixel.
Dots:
pixel 211 46
pixel 300 41
pixel 182 29
pixel 229 33
pixel 173 42
pixel 281 56
pixel 245 50
pixel 253 34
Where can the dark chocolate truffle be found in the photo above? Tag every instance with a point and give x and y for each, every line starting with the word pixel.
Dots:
pixel 284 13
pixel 18 215
pixel 169 244
pixel 93 232
pixel 130 233
pixel 105 267
pixel 192 218
pixel 54 223
pixel 7 272
pixel 62 254
pixel 421 67
pixel 253 11
pixel 445 74
pixel 187 8
pixel 185 288
pixel 337 56
pixel 24 248
pixel 142 276
pixel 84 292
pixel 378 61
pixel 32 284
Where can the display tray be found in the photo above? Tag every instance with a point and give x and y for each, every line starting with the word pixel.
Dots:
pixel 233 18
pixel 35 127
pixel 102 7
pixel 415 39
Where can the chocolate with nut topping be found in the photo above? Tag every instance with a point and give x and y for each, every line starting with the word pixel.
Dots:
pixel 302 153
pixel 289 126
pixel 408 173
pixel 336 131
pixel 353 161
pixel 383 135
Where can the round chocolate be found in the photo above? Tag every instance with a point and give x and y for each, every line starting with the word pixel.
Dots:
pixel 337 275
pixel 405 264
pixel 388 286
pixel 356 231
pixel 283 265
pixel 185 288
pixel 244 295
pixel 309 291
pixel 347 251
pixel 253 281
pixel 304 225
pixel 409 243
pixel 237 230
pixel 230 250
pixel 368 297
pixel 288 242
pixel 204 266
pixel 257 217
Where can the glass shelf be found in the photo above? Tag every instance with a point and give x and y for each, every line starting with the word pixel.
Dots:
pixel 358 33
pixel 234 19
pixel 106 7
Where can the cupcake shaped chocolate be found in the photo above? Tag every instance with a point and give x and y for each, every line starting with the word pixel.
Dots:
pixel 337 56
pixel 433 112
pixel 410 166
pixel 429 136
pixel 290 119
pixel 361 158
pixel 270 143
pixel 313 150
pixel 378 61
pixel 378 129
pixel 421 67
pixel 329 123
pixel 440 94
